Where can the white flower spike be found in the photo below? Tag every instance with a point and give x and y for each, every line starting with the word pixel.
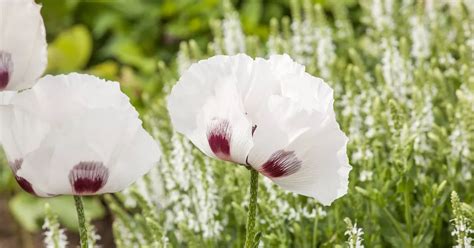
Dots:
pixel 23 53
pixel 267 114
pixel 75 134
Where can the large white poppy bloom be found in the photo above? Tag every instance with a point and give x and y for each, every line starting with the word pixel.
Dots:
pixel 23 54
pixel 75 134
pixel 268 114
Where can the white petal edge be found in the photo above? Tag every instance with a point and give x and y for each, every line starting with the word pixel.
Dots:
pixel 23 35
pixel 58 98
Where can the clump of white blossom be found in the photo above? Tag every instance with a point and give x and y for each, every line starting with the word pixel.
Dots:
pixel 234 38
pixel 413 54
pixel 354 234
pixel 191 197
pixel 462 231
pixel 54 235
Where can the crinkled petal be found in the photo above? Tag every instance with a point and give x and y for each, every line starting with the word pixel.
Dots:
pixel 58 98
pixel 23 46
pixel 324 172
pixel 211 114
pixel 98 136
pixel 94 142
pixel 318 164
pixel 20 133
pixel 136 159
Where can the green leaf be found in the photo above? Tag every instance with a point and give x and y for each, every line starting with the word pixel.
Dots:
pixel 70 51
pixel 29 211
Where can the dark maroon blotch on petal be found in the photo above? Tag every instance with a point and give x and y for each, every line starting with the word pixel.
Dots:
pixel 254 127
pixel 24 184
pixel 6 69
pixel 4 79
pixel 88 177
pixel 219 136
pixel 281 163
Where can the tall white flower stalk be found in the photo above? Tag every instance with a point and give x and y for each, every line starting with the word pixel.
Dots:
pixel 354 234
pixel 420 36
pixel 197 208
pixel 54 235
pixel 311 40
pixel 396 72
pixel 462 231
pixel 382 15
pixel 234 38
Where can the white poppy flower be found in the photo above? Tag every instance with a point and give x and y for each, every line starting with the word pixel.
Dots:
pixel 23 54
pixel 75 134
pixel 267 114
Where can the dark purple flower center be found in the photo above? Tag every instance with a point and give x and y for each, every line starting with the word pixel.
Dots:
pixel 281 163
pixel 87 178
pixel 6 69
pixel 219 136
pixel 24 184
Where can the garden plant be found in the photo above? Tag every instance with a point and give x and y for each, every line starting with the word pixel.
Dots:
pixel 289 123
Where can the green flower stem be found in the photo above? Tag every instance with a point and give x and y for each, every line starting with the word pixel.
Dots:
pixel 315 230
pixel 82 221
pixel 249 236
pixel 408 219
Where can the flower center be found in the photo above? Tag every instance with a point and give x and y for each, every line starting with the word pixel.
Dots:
pixel 88 177
pixel 6 69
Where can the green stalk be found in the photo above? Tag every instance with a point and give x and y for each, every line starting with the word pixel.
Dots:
pixel 315 230
pixel 250 233
pixel 408 219
pixel 82 221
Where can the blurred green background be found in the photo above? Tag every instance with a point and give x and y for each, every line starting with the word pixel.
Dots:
pixel 124 39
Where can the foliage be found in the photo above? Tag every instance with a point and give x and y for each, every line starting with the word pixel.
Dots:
pixel 403 79
pixel 403 76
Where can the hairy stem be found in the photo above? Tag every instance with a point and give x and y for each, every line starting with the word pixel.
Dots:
pixel 82 221
pixel 249 236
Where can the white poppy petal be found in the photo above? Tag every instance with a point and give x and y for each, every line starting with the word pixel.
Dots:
pixel 218 124
pixel 6 97
pixel 57 98
pixel 20 133
pixel 268 136
pixel 97 137
pixel 142 152
pixel 324 168
pixel 23 53
pixel 282 118
pixel 95 142
pixel 310 92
